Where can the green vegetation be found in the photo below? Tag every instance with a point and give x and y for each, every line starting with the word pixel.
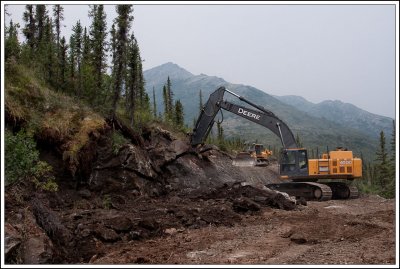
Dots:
pixel 22 162
pixel 107 203
pixel 118 140
pixel 60 92
pixel 379 177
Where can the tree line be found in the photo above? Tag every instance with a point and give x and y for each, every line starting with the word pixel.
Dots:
pixel 78 66
pixel 379 176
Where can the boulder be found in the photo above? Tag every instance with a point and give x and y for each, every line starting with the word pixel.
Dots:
pixel 12 241
pixel 136 159
pixel 244 204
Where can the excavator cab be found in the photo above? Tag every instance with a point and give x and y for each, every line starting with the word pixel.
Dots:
pixel 294 163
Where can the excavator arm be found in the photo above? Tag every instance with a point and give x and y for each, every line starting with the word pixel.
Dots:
pixel 260 116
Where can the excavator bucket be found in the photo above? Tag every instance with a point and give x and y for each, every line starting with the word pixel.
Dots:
pixel 244 159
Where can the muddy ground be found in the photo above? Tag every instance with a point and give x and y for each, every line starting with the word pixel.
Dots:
pixel 164 204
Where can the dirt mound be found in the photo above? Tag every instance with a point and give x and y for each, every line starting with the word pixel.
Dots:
pixel 156 186
pixel 162 202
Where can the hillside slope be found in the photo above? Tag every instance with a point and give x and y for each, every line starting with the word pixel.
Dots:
pixel 315 132
pixel 342 113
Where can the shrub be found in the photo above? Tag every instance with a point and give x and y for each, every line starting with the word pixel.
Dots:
pixel 118 140
pixel 22 162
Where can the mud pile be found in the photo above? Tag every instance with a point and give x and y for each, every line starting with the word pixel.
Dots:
pixel 154 186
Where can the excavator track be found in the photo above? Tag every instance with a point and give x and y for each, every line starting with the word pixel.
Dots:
pixel 341 190
pixel 308 190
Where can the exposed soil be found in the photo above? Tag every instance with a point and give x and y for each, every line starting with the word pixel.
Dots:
pixel 165 204
pixel 359 231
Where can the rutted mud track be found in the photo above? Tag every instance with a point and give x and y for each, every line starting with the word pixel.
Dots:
pixel 334 232
pixel 163 204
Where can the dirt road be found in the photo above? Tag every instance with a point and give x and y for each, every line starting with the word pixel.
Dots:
pixel 359 231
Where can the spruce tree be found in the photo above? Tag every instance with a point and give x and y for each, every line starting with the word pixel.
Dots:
pixel 178 119
pixel 393 145
pixel 58 18
pixel 41 15
pixel 63 63
pixel 40 56
pixel 71 63
pixel 123 22
pixel 113 48
pixel 170 99
pixel 383 165
pixel 49 52
pixel 88 81
pixel 154 104
pixel 132 79
pixel 30 28
pixel 58 13
pixel 98 35
pixel 78 40
pixel 143 97
pixel 165 99
pixel 12 46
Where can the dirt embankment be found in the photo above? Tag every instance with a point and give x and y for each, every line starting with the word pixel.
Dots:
pixel 160 202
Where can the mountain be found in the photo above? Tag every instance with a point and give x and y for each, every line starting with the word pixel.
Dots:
pixel 317 133
pixel 342 113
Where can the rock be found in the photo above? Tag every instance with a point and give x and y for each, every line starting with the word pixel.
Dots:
pixel 37 250
pixel 12 241
pixel 108 235
pixel 283 203
pixel 178 147
pixel 170 231
pixel 301 201
pixel 259 198
pixel 85 193
pixel 135 235
pixel 149 224
pixel 50 221
pixel 287 196
pixel 161 156
pixel 135 159
pixel 175 199
pixel 298 238
pixel 244 204
pixel 119 223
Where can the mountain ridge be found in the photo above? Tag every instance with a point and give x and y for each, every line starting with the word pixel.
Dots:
pixel 342 112
pixel 314 131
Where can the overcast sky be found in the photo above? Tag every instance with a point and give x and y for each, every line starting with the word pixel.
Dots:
pixel 320 52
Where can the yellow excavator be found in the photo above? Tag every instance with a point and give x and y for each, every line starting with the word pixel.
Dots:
pixel 254 155
pixel 302 177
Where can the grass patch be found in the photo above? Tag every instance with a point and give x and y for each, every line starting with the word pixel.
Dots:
pixel 49 115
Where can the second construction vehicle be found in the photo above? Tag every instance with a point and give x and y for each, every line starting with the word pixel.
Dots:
pixel 253 155
pixel 301 176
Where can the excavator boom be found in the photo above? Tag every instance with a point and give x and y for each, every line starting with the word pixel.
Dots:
pixel 260 116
